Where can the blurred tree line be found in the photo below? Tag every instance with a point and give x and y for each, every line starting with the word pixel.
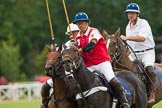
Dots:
pixel 24 29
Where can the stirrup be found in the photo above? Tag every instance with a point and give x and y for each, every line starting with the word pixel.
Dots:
pixel 124 104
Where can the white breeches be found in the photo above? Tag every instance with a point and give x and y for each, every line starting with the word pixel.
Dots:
pixel 147 58
pixel 105 68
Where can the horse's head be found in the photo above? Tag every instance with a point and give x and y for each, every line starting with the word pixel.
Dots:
pixel 114 43
pixel 53 66
pixel 71 58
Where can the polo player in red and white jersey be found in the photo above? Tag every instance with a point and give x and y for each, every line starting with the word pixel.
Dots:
pixel 92 47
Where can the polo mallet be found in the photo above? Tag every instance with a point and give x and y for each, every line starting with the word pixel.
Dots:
pixel 53 46
pixel 67 19
pixel 50 25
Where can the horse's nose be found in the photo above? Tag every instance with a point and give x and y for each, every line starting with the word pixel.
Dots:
pixel 48 70
pixel 66 61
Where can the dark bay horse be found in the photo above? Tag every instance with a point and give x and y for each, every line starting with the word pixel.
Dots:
pixel 91 91
pixel 119 52
pixel 55 70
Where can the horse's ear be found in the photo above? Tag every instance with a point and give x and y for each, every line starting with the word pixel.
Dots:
pixel 64 46
pixel 53 47
pixel 48 48
pixel 60 47
pixel 117 33
pixel 104 33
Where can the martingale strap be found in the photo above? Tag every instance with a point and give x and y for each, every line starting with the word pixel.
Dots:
pixel 93 90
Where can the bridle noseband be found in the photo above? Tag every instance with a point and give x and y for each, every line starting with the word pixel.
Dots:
pixel 117 53
pixel 55 68
pixel 73 63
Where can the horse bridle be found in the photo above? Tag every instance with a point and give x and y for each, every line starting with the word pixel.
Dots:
pixel 75 62
pixel 117 53
pixel 56 68
pixel 75 65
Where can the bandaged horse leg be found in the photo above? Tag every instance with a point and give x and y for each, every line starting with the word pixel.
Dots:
pixel 152 81
pixel 119 93
pixel 45 95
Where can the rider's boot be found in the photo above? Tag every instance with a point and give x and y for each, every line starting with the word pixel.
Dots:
pixel 119 93
pixel 45 95
pixel 151 98
pixel 152 75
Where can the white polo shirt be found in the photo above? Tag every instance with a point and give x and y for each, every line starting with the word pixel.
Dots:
pixel 141 28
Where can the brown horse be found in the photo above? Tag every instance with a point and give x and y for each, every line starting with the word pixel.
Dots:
pixel 54 69
pixel 90 87
pixel 119 52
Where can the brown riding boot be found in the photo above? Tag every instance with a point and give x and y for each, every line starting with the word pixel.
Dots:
pixel 152 75
pixel 45 95
pixel 151 97
pixel 119 93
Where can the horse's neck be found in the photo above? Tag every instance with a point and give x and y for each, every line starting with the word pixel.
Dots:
pixel 59 87
pixel 84 76
pixel 125 62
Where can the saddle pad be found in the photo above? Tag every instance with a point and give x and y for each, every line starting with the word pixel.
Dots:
pixel 127 89
pixel 158 71
pixel 106 84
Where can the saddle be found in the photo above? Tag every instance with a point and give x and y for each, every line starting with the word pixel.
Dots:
pixel 127 90
pixel 104 82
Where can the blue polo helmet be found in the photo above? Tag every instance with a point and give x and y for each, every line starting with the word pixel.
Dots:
pixel 81 16
pixel 132 7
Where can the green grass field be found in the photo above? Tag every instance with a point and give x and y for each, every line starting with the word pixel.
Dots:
pixel 158 105
pixel 21 104
pixel 36 104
